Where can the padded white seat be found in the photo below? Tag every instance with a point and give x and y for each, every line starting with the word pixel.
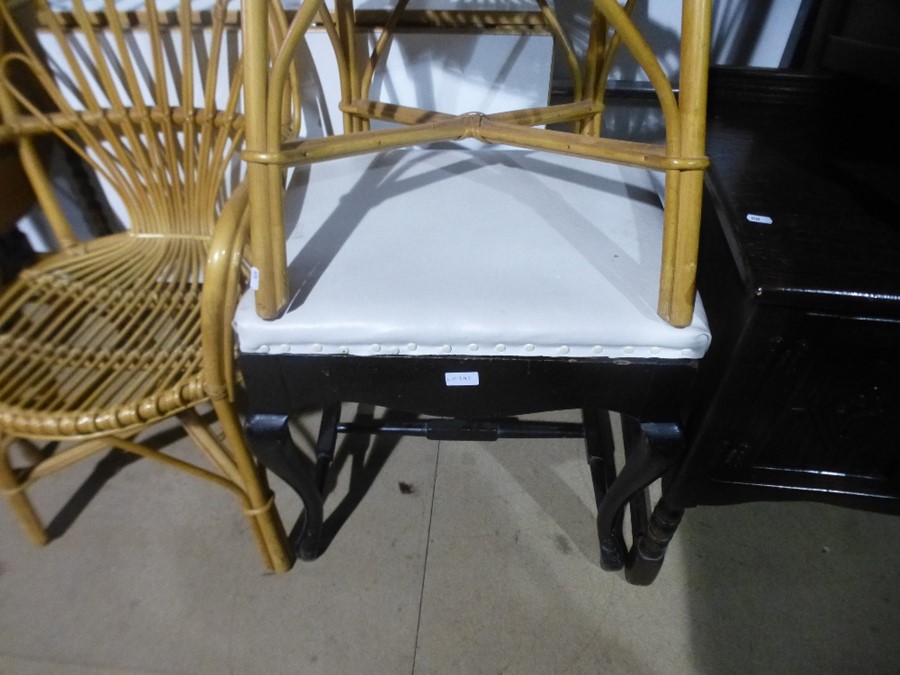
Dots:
pixel 489 251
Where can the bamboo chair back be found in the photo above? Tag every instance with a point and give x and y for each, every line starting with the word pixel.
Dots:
pixel 105 339
pixel 152 110
pixel 681 157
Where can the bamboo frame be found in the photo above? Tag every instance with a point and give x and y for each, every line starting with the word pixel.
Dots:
pixel 681 157
pixel 107 338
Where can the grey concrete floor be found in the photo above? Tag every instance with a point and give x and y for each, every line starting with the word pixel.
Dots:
pixel 486 562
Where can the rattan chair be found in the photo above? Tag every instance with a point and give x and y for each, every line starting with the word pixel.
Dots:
pixel 429 258
pixel 105 338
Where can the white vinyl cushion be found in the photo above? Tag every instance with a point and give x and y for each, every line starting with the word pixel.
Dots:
pixel 479 252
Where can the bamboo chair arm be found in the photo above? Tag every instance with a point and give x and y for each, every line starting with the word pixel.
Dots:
pixel 221 292
pixel 33 157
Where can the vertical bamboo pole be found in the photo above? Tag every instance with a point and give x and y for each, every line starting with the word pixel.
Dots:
pixel 266 228
pixel 595 61
pixel 346 25
pixel 695 41
pixel 669 243
pixel 684 189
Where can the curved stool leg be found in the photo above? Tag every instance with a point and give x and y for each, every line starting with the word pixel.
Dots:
pixel 270 439
pixel 647 554
pixel 600 449
pixel 656 448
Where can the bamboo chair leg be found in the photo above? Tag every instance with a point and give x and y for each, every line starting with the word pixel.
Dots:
pixel 262 514
pixel 18 501
pixel 696 26
pixel 686 248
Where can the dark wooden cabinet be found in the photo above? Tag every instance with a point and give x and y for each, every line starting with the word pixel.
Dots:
pixel 799 396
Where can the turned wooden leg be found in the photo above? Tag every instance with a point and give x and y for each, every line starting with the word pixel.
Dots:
pixel 600 449
pixel 648 454
pixel 646 556
pixel 270 439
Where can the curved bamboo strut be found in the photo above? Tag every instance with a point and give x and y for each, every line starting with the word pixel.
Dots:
pixel 81 451
pixel 332 32
pixel 600 64
pixel 645 58
pixel 222 272
pixel 209 444
pixel 561 39
pixel 346 25
pixel 603 75
pixel 381 47
pixel 281 68
pixel 278 30
pixel 56 463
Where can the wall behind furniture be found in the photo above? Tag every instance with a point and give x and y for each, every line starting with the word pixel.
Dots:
pixel 758 33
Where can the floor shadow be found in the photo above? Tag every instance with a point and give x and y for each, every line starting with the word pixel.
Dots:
pixel 106 469
pixel 366 455
pixel 547 487
pixel 791 588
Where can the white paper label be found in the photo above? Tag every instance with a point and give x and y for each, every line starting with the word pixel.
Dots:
pixel 461 379
pixel 755 218
pixel 254 278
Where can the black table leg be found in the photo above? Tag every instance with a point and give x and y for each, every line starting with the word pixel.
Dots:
pixel 649 453
pixel 647 553
pixel 270 439
pixel 600 449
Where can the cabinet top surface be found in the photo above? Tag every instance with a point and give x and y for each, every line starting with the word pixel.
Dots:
pixel 807 189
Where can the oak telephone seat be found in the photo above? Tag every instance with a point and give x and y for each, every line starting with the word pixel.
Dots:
pixel 461 249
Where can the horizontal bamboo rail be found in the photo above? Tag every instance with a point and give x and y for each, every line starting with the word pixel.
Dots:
pixel 53 122
pixel 553 114
pixel 496 22
pixel 483 128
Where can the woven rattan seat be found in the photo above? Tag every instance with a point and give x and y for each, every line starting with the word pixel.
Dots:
pixel 137 362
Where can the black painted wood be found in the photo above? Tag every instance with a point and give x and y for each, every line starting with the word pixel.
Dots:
pixel 799 396
pixel 651 391
pixel 648 389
